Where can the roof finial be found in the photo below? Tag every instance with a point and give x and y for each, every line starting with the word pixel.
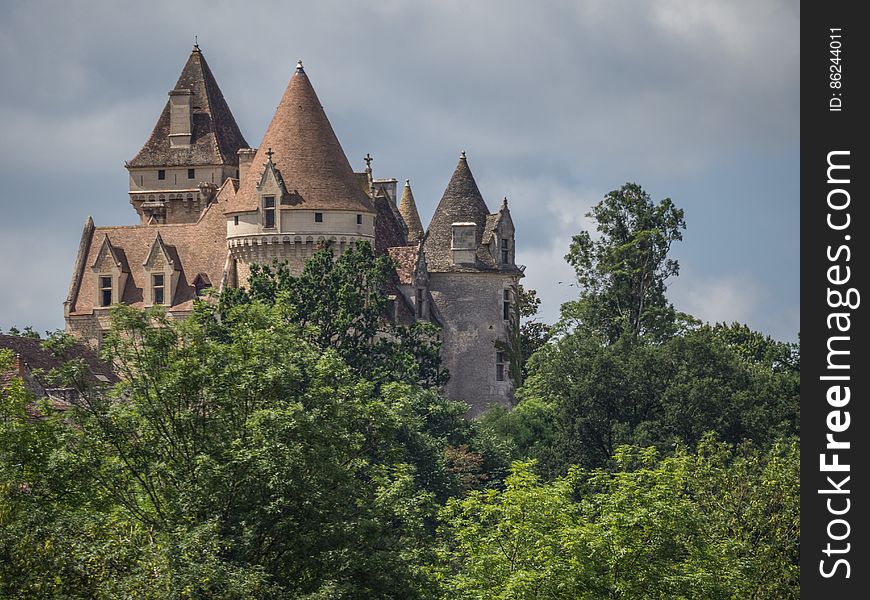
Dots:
pixel 462 155
pixel 299 68
pixel 407 183
pixel 368 158
pixel 196 43
pixel 269 153
pixel 504 202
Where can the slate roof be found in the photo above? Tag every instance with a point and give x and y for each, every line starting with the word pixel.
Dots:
pixel 308 155
pixel 195 248
pixel 408 210
pixel 461 203
pixel 215 137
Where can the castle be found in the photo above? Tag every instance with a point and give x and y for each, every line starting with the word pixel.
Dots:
pixel 209 206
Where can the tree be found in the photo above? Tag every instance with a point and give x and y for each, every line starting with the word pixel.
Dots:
pixel 525 334
pixel 650 528
pixel 600 396
pixel 622 274
pixel 341 303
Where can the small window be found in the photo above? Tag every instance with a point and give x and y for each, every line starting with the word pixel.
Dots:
pixel 191 173
pixel 105 291
pixel 318 217
pixel 269 212
pixel 161 174
pixel 419 303
pixel 359 219
pixel 499 366
pixel 506 305
pixel 236 220
pixel 157 287
pixel 505 250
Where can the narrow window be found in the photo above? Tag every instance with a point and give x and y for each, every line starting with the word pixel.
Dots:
pixel 419 303
pixel 359 219
pixel 191 173
pixel 506 305
pixel 141 180
pixel 161 174
pixel 105 291
pixel 236 220
pixel 269 212
pixel 318 217
pixel 505 250
pixel 157 288
pixel 499 366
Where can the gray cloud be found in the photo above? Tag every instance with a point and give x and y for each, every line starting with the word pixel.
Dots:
pixel 556 103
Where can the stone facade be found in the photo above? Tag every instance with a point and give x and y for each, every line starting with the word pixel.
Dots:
pixel 209 207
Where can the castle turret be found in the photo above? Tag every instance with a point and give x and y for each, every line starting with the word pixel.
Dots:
pixel 471 284
pixel 192 150
pixel 299 189
pixel 408 210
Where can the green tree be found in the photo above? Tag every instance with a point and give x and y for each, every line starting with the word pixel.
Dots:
pixel 651 528
pixel 341 303
pixel 622 274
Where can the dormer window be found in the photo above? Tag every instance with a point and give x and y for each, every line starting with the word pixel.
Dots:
pixel 161 174
pixel 105 290
pixel 269 212
pixel 505 251
pixel 158 288
pixel 318 217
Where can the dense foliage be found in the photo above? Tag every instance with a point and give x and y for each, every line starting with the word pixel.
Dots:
pixel 288 442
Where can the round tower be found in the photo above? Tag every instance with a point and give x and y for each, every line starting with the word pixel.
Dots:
pixel 297 191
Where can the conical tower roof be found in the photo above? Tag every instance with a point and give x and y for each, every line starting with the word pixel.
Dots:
pixel 215 137
pixel 408 210
pixel 461 203
pixel 306 152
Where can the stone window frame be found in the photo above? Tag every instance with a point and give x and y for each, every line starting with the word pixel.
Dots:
pixel 500 364
pixel 102 289
pixel 359 219
pixel 161 174
pixel 506 304
pixel 161 288
pixel 269 210
pixel 318 217
pixel 191 173
pixel 505 247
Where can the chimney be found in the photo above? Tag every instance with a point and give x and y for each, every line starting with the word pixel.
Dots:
pixel 246 157
pixel 180 118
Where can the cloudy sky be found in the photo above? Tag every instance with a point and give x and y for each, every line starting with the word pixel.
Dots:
pixel 555 102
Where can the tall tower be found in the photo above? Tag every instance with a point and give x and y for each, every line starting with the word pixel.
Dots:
pixel 297 190
pixel 191 152
pixel 470 255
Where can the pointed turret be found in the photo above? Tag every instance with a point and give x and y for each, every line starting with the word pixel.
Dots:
pixel 408 210
pixel 308 155
pixel 463 206
pixel 196 126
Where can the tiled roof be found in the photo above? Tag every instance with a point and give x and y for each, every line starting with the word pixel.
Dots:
pixel 406 262
pixel 389 229
pixel 194 247
pixel 34 356
pixel 215 137
pixel 461 203
pixel 408 210
pixel 308 155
